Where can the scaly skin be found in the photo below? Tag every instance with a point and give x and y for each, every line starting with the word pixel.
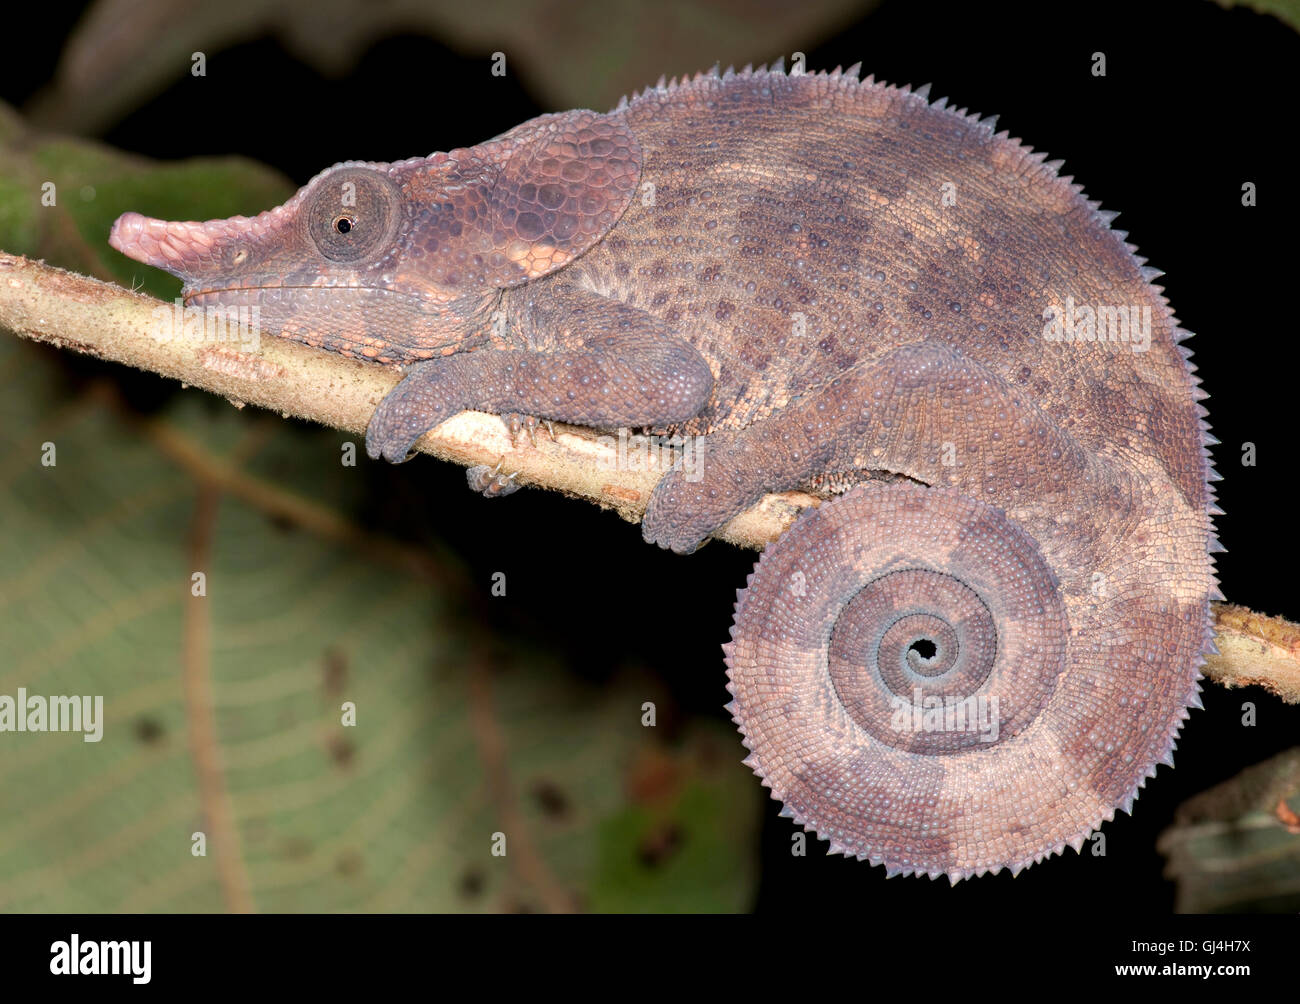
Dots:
pixel 824 279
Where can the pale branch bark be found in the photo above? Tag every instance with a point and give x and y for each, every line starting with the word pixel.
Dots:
pixel 1255 650
pixel 72 311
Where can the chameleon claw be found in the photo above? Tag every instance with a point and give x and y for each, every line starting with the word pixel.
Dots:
pixel 516 423
pixel 490 482
pixel 395 451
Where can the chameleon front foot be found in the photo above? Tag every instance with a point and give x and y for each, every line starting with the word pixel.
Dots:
pixel 429 395
pixel 393 440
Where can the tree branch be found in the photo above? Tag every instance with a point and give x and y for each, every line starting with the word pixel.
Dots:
pixel 72 311
pixel 76 312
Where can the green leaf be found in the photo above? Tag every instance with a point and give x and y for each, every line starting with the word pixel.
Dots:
pixel 223 712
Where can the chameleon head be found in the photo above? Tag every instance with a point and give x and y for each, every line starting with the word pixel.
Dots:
pixel 404 261
pixel 338 266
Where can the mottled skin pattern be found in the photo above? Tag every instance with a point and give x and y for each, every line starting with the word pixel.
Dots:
pixel 827 280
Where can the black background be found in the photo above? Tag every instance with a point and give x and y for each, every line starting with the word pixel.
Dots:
pixel 1196 101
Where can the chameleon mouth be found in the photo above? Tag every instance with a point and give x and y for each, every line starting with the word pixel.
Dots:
pixel 273 293
pixel 254 292
pixel 294 312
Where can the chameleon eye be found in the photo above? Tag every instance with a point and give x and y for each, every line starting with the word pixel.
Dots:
pixel 352 214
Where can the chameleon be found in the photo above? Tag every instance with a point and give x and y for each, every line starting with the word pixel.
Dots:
pixel 987 636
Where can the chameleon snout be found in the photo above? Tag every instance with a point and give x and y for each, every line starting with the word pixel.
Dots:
pixel 179 248
pixel 191 250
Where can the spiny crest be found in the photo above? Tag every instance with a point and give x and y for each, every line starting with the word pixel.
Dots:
pixel 850 79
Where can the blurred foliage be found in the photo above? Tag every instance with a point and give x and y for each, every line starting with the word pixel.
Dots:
pixel 1236 847
pixel 1286 11
pixel 610 47
pixel 92 185
pixel 457 736
pixel 223 713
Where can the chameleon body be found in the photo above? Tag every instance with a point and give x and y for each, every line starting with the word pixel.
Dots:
pixel 983 644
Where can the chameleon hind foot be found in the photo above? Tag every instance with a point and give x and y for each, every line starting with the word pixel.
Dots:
pixel 490 482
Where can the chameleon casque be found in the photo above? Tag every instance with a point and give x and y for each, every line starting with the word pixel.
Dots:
pixel 834 283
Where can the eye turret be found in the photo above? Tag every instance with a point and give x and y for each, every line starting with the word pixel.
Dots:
pixel 353 214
